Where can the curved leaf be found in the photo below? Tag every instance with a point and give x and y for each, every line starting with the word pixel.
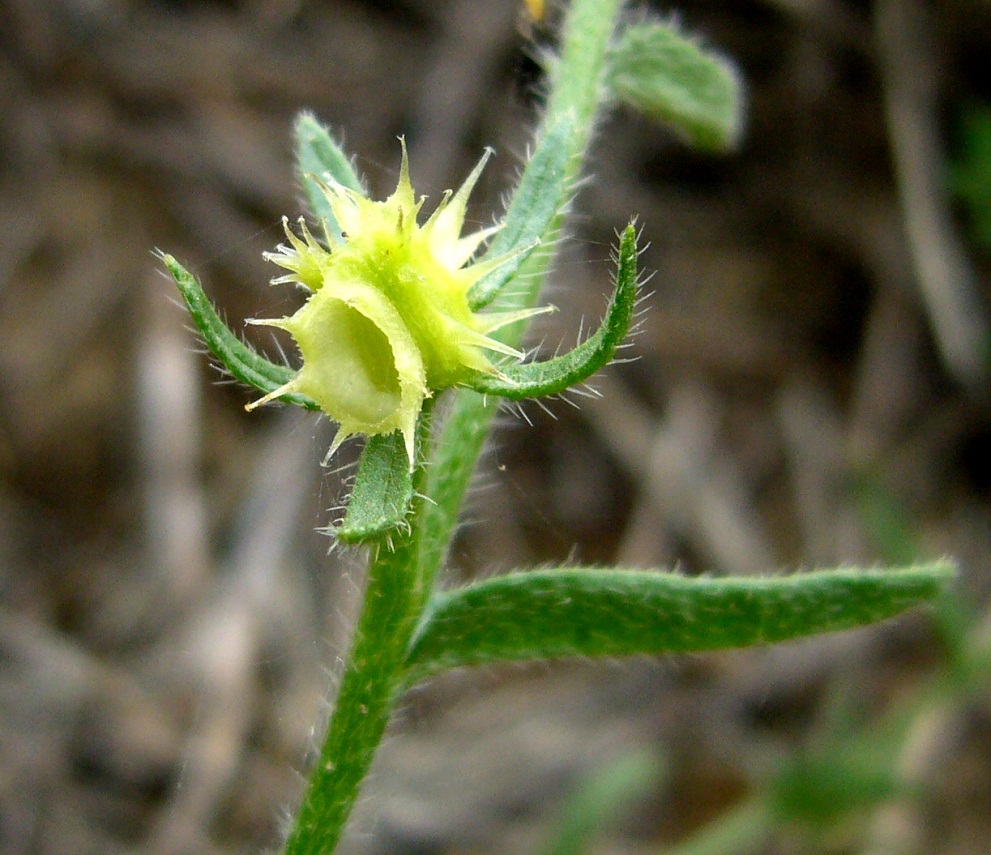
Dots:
pixel 553 376
pixel 536 201
pixel 319 156
pixel 667 77
pixel 240 359
pixel 550 614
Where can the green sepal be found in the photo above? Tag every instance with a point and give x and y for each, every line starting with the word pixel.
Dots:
pixel 240 359
pixel 553 376
pixel 662 74
pixel 594 612
pixel 318 156
pixel 383 490
pixel 537 200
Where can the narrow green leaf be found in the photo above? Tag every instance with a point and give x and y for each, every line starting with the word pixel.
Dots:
pixel 549 614
pixel 741 829
pixel 600 799
pixel 659 72
pixel 539 196
pixel 970 173
pixel 553 376
pixel 819 790
pixel 383 490
pixel 240 359
pixel 318 154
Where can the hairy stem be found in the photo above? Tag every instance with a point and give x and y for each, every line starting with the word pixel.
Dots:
pixel 401 573
pixel 577 88
pixel 396 594
pixel 370 688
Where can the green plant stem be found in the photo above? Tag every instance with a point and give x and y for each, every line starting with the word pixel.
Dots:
pixel 396 595
pixel 401 572
pixel 370 688
pixel 578 76
pixel 577 87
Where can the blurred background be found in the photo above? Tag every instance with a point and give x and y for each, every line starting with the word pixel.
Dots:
pixel 811 389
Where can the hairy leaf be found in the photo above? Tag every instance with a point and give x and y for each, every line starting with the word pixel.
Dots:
pixel 549 614
pixel 550 377
pixel 383 490
pixel 319 156
pixel 240 359
pixel 659 72
pixel 531 212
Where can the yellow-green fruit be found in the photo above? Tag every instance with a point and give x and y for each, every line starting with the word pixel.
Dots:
pixel 388 321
